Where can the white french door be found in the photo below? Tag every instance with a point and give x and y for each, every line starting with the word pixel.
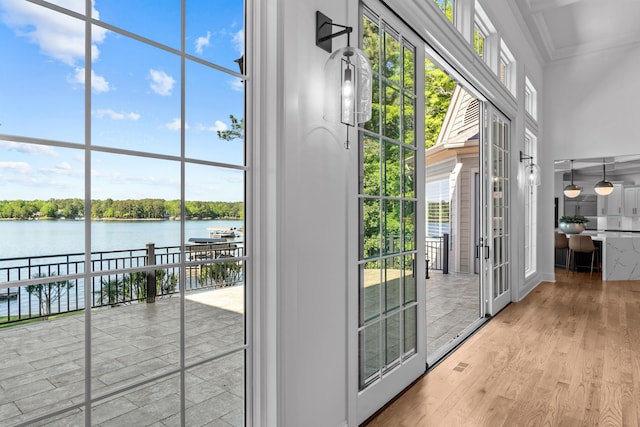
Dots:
pixel 496 236
pixel 391 303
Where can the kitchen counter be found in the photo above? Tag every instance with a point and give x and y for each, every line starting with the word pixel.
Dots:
pixel 620 254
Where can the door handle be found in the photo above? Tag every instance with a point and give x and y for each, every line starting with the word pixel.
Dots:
pixel 486 252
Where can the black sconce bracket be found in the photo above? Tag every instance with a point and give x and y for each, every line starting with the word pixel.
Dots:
pixel 525 157
pixel 324 24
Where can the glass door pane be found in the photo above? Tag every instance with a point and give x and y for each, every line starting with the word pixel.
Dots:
pixel 498 139
pixel 453 204
pixel 387 208
pixel 389 344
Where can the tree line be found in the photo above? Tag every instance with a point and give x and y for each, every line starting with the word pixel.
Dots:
pixel 119 209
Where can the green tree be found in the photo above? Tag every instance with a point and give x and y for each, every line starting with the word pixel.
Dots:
pixel 236 131
pixel 48 293
pixel 438 91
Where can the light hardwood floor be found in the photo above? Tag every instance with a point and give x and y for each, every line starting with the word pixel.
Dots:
pixel 567 355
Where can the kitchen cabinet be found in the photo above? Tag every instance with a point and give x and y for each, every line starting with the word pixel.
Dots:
pixel 611 204
pixel 632 201
pixel 614 222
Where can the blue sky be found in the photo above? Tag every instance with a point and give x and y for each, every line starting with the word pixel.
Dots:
pixel 135 101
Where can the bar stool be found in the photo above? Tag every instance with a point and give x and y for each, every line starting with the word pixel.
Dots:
pixel 561 242
pixel 581 244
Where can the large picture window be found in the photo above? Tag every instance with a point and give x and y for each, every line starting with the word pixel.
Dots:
pixel 123 194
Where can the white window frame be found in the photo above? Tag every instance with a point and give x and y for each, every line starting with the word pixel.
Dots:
pixel 530 212
pixel 530 99
pixel 483 24
pixel 506 60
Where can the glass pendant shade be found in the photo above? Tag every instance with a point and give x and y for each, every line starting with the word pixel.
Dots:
pixel 572 191
pixel 347 83
pixel 604 188
pixel 533 174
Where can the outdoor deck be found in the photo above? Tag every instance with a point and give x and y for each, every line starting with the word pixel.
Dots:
pixel 130 343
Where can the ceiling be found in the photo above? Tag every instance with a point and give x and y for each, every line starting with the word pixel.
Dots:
pixel 615 166
pixel 567 28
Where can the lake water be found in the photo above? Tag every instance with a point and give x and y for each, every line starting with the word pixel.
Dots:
pixel 20 239
pixel 35 238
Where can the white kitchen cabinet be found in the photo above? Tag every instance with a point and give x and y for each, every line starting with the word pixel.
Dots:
pixel 614 222
pixel 614 200
pixel 632 201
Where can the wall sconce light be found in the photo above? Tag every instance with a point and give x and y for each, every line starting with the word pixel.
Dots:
pixel 604 187
pixel 347 77
pixel 532 171
pixel 572 190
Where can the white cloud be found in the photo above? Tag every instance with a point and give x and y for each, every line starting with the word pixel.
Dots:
pixel 19 167
pixel 175 124
pixel 238 41
pixel 29 148
pixel 202 42
pixel 219 125
pixel 98 83
pixel 63 166
pixel 236 85
pixel 161 82
pixel 114 115
pixel 58 36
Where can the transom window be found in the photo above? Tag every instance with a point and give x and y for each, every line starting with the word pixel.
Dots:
pixel 530 98
pixel 447 7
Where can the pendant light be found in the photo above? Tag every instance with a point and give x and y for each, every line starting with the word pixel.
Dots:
pixel 532 170
pixel 348 77
pixel 572 190
pixel 604 187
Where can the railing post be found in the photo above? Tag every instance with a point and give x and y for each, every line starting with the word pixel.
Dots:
pixel 445 253
pixel 151 274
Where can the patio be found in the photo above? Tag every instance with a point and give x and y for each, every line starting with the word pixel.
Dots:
pixel 43 364
pixel 453 303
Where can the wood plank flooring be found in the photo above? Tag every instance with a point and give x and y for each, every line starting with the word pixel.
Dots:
pixel 567 355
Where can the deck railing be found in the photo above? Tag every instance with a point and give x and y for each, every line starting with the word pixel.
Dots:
pixel 437 251
pixel 33 287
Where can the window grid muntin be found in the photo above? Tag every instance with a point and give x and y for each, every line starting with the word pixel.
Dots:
pixel 398 197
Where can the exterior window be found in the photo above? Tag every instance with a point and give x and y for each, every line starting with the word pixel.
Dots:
pixel 438 208
pixel 478 41
pixel 447 7
pixel 483 32
pixel 122 198
pixel 530 209
pixel 530 99
pixel 506 68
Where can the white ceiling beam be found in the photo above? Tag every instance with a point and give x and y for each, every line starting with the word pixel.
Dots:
pixel 537 6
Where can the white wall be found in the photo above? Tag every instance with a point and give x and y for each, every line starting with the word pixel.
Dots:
pixel 591 104
pixel 312 203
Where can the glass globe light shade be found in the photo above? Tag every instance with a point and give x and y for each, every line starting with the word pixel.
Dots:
pixel 532 174
pixel 604 188
pixel 572 191
pixel 347 83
